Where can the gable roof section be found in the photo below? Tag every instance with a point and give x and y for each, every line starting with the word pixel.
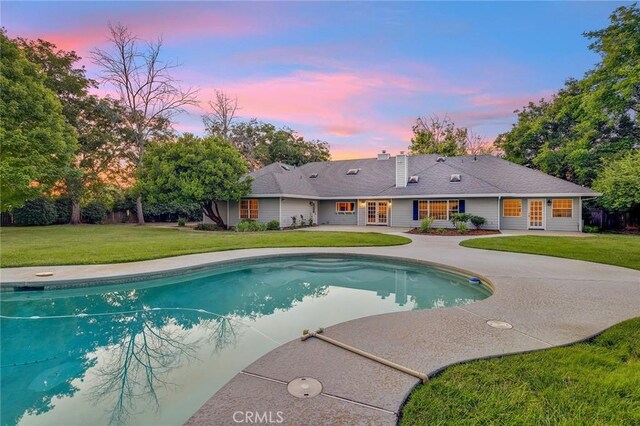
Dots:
pixel 487 175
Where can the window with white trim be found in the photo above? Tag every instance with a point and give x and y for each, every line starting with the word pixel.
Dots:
pixel 512 208
pixel 438 210
pixel 562 207
pixel 423 209
pixel 345 207
pixel 249 208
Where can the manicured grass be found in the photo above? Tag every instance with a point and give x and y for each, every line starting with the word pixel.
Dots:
pixel 89 244
pixel 591 383
pixel 619 250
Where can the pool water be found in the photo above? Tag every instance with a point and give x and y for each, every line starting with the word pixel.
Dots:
pixel 152 352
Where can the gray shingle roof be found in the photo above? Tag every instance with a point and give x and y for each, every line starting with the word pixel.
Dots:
pixel 376 178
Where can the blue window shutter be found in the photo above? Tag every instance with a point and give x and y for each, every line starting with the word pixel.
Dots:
pixel 461 206
pixel 415 209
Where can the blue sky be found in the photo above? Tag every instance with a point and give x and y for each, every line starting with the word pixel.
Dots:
pixel 353 74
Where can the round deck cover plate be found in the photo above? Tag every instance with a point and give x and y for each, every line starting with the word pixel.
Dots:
pixel 499 324
pixel 44 274
pixel 304 387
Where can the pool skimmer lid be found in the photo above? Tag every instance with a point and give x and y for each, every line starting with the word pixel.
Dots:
pixel 499 324
pixel 44 274
pixel 304 387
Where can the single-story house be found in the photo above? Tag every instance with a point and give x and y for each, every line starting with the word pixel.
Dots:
pixel 402 190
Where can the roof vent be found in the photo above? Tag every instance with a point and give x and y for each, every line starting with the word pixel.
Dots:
pixel 441 159
pixel 313 175
pixel 384 155
pixel 352 172
pixel 284 166
pixel 455 178
pixel 414 179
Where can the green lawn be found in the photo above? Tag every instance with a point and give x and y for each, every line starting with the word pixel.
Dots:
pixel 87 244
pixel 619 250
pixel 591 383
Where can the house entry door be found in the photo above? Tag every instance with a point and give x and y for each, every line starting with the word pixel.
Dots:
pixel 377 212
pixel 536 214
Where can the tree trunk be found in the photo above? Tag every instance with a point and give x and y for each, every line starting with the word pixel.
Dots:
pixel 212 214
pixel 75 212
pixel 139 212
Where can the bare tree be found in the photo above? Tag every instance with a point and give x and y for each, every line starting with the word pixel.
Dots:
pixel 150 94
pixel 478 145
pixel 223 111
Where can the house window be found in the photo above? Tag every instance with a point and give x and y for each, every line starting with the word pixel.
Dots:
pixel 454 207
pixel 423 209
pixel 249 209
pixel 438 210
pixel 512 208
pixel 345 207
pixel 562 207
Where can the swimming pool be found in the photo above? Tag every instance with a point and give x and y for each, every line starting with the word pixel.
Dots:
pixel 152 352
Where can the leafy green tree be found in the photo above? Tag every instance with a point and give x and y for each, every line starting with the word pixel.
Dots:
pixel 619 182
pixel 98 122
pixel 435 135
pixel 194 170
pixel 589 121
pixel 286 146
pixel 37 143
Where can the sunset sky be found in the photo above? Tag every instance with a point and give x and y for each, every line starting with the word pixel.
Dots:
pixel 354 74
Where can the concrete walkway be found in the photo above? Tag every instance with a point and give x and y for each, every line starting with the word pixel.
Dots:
pixel 549 301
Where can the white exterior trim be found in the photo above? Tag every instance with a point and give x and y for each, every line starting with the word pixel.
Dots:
pixel 580 214
pixel 421 196
pixel 543 211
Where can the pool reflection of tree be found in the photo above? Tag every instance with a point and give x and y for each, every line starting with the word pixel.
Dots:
pixel 132 354
pixel 141 348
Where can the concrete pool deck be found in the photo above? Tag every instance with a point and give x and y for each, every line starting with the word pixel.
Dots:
pixel 549 301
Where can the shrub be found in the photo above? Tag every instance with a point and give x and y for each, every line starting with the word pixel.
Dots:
pixel 182 221
pixel 460 218
pixel 462 227
pixel 250 225
pixel 207 227
pixel 273 225
pixel 591 229
pixel 478 221
pixel 310 221
pixel 37 212
pixel 426 224
pixel 294 221
pixel 94 212
pixel 441 230
pixel 63 210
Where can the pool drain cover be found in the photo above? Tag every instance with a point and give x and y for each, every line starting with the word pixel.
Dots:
pixel 499 324
pixel 304 387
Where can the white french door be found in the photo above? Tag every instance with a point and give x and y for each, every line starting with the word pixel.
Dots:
pixel 377 212
pixel 536 214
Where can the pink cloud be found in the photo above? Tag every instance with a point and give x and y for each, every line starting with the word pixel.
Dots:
pixel 172 23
